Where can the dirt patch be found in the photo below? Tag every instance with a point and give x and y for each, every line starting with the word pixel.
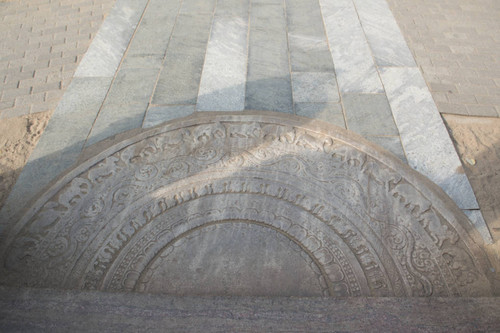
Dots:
pixel 477 140
pixel 18 137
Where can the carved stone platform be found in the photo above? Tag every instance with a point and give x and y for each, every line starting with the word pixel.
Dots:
pixel 248 204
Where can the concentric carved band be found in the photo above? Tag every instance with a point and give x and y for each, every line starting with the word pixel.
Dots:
pixel 361 222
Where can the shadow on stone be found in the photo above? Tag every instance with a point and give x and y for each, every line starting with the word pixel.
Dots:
pixel 247 203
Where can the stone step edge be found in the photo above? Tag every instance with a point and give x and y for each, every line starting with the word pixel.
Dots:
pixel 23 309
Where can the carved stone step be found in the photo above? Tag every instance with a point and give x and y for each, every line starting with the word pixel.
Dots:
pixel 247 204
pixel 75 311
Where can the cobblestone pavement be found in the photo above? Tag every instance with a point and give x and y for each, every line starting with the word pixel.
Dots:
pixel 41 45
pixel 456 44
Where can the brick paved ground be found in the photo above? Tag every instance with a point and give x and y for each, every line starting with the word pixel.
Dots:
pixel 456 43
pixel 41 44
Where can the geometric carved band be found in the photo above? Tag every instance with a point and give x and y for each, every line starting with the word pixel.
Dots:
pixel 246 204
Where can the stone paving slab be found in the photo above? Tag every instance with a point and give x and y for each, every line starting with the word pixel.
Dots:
pixel 157 115
pixel 422 133
pixel 382 32
pixel 278 77
pixel 308 46
pixel 105 53
pixel 351 53
pixel 179 81
pixel 268 81
pixel 369 114
pixel 224 90
pixel 153 34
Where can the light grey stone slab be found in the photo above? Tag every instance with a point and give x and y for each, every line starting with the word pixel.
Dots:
pixel 107 48
pixel 309 50
pixel 386 41
pixel 180 77
pixel 198 6
pixel 272 94
pixel 153 34
pixel 232 8
pixel 142 61
pixel 329 112
pixel 369 114
pixel 268 2
pixel 428 146
pixel 132 85
pixel 114 119
pixel 314 88
pixel 73 117
pixel 354 64
pixel 160 114
pixel 268 79
pixel 62 139
pixel 309 54
pixel 222 85
pixel 126 103
pixel 391 143
pixel 477 219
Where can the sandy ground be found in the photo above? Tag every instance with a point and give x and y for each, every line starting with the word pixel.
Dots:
pixel 477 140
pixel 18 137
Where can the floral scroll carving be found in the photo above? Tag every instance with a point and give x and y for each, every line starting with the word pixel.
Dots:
pixel 366 223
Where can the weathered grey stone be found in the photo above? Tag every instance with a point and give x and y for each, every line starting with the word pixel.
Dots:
pixel 272 94
pixel 142 61
pixel 391 143
pixel 314 88
pixel 428 146
pixel 369 114
pixel 126 103
pixel 268 80
pixel 180 78
pixel 107 49
pixel 382 32
pixel 308 48
pixel 354 65
pixel 132 86
pixel 74 311
pixel 232 8
pixel 222 86
pixel 116 118
pixel 153 34
pixel 477 219
pixel 198 6
pixel 276 266
pixel 329 112
pixel 159 114
pixel 309 54
pixel 342 218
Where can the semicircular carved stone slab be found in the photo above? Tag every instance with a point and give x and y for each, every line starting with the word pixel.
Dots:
pixel 246 204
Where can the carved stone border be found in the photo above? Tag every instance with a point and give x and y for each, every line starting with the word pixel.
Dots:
pixel 317 137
